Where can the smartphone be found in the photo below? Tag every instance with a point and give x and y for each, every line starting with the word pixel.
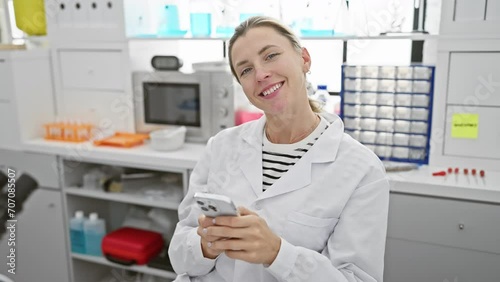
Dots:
pixel 213 205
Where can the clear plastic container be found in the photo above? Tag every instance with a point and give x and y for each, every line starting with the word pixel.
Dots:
pixel 369 71
pixel 403 113
pixel 400 152
pixel 402 126
pixel 385 125
pixel 384 138
pixel 421 86
pixel 200 18
pixel 418 140
pixel 172 19
pixel 368 111
pixel 352 123
pixel 403 86
pixel 352 111
pixel 383 151
pixel 404 72
pixel 401 139
pixel 76 233
pixel 403 100
pixel 318 19
pixel 369 84
pixel 386 85
pixel 419 114
pixel 94 230
pixel 420 101
pixel 352 84
pixel 368 98
pixel 385 99
pixel 368 124
pixel 385 112
pixel 226 18
pixel 387 72
pixel 367 137
pixel 352 98
pixel 422 72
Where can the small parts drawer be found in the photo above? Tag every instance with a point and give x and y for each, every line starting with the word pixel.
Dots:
pixel 92 69
pixel 453 223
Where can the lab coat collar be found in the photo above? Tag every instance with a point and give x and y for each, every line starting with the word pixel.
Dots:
pixel 250 157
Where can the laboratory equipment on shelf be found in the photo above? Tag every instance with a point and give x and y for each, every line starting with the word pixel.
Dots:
pixel 200 18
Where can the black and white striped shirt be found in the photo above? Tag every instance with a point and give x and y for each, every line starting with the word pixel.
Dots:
pixel 277 159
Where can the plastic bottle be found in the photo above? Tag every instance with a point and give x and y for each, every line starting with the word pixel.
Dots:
pixel 322 96
pixel 76 233
pixel 94 229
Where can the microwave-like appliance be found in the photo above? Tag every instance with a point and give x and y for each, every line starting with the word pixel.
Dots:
pixel 202 101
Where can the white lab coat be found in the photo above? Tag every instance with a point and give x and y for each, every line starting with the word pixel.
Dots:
pixel 330 209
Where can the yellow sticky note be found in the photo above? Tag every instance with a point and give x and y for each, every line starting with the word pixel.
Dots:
pixel 464 126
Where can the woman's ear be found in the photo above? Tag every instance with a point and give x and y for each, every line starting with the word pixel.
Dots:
pixel 307 60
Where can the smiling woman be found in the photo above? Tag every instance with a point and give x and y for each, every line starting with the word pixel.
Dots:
pixel 313 201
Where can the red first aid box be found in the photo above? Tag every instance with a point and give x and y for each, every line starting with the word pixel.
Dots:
pixel 129 245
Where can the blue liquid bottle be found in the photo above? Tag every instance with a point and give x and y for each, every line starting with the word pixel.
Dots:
pixel 95 229
pixel 201 18
pixel 76 234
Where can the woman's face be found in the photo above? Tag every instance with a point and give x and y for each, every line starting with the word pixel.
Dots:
pixel 271 71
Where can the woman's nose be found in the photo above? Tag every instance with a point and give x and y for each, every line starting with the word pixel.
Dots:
pixel 262 73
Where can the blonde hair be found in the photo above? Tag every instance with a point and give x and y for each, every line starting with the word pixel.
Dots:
pixel 262 21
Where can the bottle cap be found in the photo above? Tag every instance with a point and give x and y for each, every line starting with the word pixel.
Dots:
pixel 79 214
pixel 450 170
pixel 321 87
pixel 93 216
pixel 473 171
pixel 466 171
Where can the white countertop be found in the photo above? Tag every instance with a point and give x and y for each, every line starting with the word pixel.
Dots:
pixel 139 156
pixel 458 186
pixel 419 181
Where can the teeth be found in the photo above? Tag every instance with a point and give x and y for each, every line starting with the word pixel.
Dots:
pixel 272 89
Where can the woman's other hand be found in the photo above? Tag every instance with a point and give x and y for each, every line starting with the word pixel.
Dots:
pixel 246 237
pixel 207 240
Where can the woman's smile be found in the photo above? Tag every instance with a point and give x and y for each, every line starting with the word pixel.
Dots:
pixel 271 91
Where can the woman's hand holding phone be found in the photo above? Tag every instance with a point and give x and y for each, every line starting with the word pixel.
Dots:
pixel 240 233
pixel 204 223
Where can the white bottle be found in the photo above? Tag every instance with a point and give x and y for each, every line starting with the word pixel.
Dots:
pixel 76 233
pixel 323 97
pixel 94 229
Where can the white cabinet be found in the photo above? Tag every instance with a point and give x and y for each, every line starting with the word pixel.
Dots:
pixel 480 18
pixel 92 69
pixel 40 241
pixel 433 239
pixel 26 97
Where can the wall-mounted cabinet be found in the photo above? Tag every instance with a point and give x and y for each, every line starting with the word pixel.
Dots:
pixel 470 18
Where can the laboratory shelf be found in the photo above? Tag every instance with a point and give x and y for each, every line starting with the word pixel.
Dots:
pixel 136 268
pixel 122 197
pixel 342 37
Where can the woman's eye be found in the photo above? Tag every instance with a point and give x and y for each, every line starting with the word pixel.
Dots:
pixel 272 55
pixel 245 71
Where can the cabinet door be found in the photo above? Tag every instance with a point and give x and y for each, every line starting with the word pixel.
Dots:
pixel 41 251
